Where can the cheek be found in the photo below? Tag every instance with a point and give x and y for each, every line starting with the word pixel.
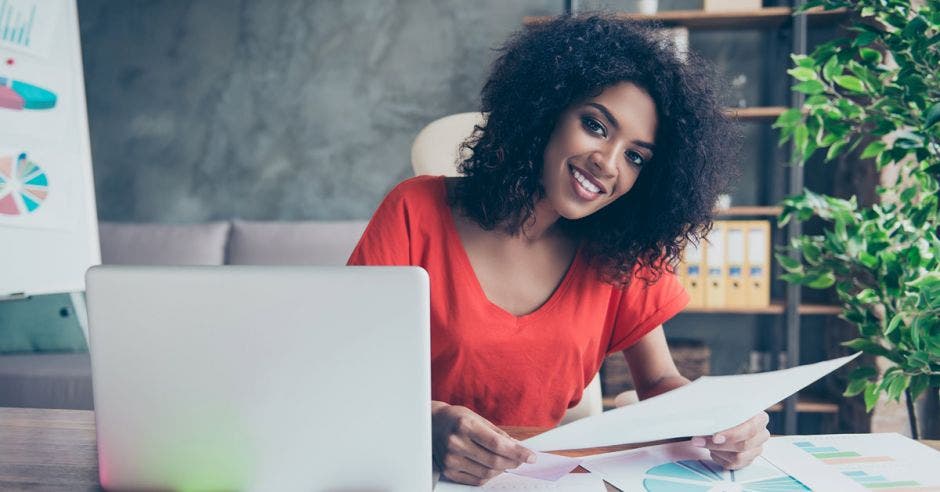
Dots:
pixel 627 181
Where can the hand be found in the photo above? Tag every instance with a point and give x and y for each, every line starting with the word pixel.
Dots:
pixel 469 449
pixel 738 446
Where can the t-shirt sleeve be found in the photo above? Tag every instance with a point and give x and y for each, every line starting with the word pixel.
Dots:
pixel 642 308
pixel 387 238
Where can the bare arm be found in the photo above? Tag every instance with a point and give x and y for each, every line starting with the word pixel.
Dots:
pixel 654 372
pixel 651 366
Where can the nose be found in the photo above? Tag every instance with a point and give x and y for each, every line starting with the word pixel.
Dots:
pixel 603 162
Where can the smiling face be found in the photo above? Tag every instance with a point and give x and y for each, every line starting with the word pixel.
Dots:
pixel 597 150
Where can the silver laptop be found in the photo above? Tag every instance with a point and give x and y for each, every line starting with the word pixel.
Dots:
pixel 261 378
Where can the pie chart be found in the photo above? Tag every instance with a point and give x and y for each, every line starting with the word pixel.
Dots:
pixel 23 185
pixel 17 95
pixel 707 476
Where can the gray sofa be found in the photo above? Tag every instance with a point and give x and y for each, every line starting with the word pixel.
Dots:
pixel 63 380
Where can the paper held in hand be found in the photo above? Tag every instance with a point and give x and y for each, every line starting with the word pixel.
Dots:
pixel 707 405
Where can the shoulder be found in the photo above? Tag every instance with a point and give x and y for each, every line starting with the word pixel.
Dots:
pixel 419 189
pixel 418 197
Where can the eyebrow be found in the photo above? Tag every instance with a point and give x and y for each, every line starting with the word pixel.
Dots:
pixel 615 124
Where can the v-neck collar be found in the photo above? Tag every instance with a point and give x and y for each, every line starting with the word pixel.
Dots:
pixel 454 241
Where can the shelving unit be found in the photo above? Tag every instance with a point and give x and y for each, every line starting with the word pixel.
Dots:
pixel 765 18
pixel 775 307
pixel 756 114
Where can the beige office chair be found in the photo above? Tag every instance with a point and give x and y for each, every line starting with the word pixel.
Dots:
pixel 436 151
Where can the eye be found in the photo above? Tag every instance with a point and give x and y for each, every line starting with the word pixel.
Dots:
pixel 635 158
pixel 594 126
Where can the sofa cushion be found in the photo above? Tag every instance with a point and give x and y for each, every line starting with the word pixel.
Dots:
pixel 293 243
pixel 163 244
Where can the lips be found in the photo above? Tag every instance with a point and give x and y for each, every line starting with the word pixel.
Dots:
pixel 580 174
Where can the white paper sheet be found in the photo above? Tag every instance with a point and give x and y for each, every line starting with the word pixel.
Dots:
pixel 857 462
pixel 572 482
pixel 682 467
pixel 547 467
pixel 706 406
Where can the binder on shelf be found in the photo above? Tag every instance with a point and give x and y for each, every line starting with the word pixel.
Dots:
pixel 758 263
pixel 716 268
pixel 692 273
pixel 736 285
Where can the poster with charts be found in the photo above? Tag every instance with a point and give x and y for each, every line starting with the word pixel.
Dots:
pixel 846 462
pixel 48 221
pixel 40 117
pixel 681 467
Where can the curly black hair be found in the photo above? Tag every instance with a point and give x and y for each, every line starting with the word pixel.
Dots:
pixel 549 66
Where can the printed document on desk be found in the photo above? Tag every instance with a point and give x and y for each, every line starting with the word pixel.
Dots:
pixel 572 482
pixel 707 405
pixel 889 462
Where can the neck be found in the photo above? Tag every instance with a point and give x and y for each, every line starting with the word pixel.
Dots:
pixel 543 223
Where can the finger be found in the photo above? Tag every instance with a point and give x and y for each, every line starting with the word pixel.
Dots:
pixel 740 446
pixel 735 461
pixel 742 432
pixel 504 446
pixel 481 455
pixel 456 463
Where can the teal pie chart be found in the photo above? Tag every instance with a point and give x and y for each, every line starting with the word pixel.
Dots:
pixel 18 95
pixel 708 476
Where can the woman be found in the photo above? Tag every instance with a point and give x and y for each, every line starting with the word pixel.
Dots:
pixel 602 154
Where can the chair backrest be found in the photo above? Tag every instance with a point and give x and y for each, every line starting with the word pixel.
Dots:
pixel 436 149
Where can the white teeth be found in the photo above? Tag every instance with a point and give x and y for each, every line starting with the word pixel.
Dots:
pixel 584 181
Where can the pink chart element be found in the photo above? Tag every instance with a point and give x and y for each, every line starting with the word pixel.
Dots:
pixel 10 99
pixel 8 206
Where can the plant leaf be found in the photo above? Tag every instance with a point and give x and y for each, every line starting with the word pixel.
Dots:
pixel 788 118
pixel 811 87
pixel 849 82
pixel 873 149
pixel 871 396
pixel 864 38
pixel 933 115
pixel 802 73
pixel 822 281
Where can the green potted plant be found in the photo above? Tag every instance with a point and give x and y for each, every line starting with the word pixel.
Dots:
pixel 878 91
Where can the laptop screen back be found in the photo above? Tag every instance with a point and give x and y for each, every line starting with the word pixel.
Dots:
pixel 261 378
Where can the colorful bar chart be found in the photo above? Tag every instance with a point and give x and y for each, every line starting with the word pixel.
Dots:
pixel 834 456
pixel 16 23
pixel 878 482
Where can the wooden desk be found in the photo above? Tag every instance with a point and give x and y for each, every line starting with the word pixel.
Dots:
pixel 54 450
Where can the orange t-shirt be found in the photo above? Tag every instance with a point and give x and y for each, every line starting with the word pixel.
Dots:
pixel 513 370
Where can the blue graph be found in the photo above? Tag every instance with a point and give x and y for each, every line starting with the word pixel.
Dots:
pixel 707 476
pixel 16 24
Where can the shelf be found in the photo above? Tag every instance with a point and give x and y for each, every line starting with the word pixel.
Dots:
pixel 748 211
pixel 745 19
pixel 775 307
pixel 805 405
pixel 756 114
pixel 809 405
